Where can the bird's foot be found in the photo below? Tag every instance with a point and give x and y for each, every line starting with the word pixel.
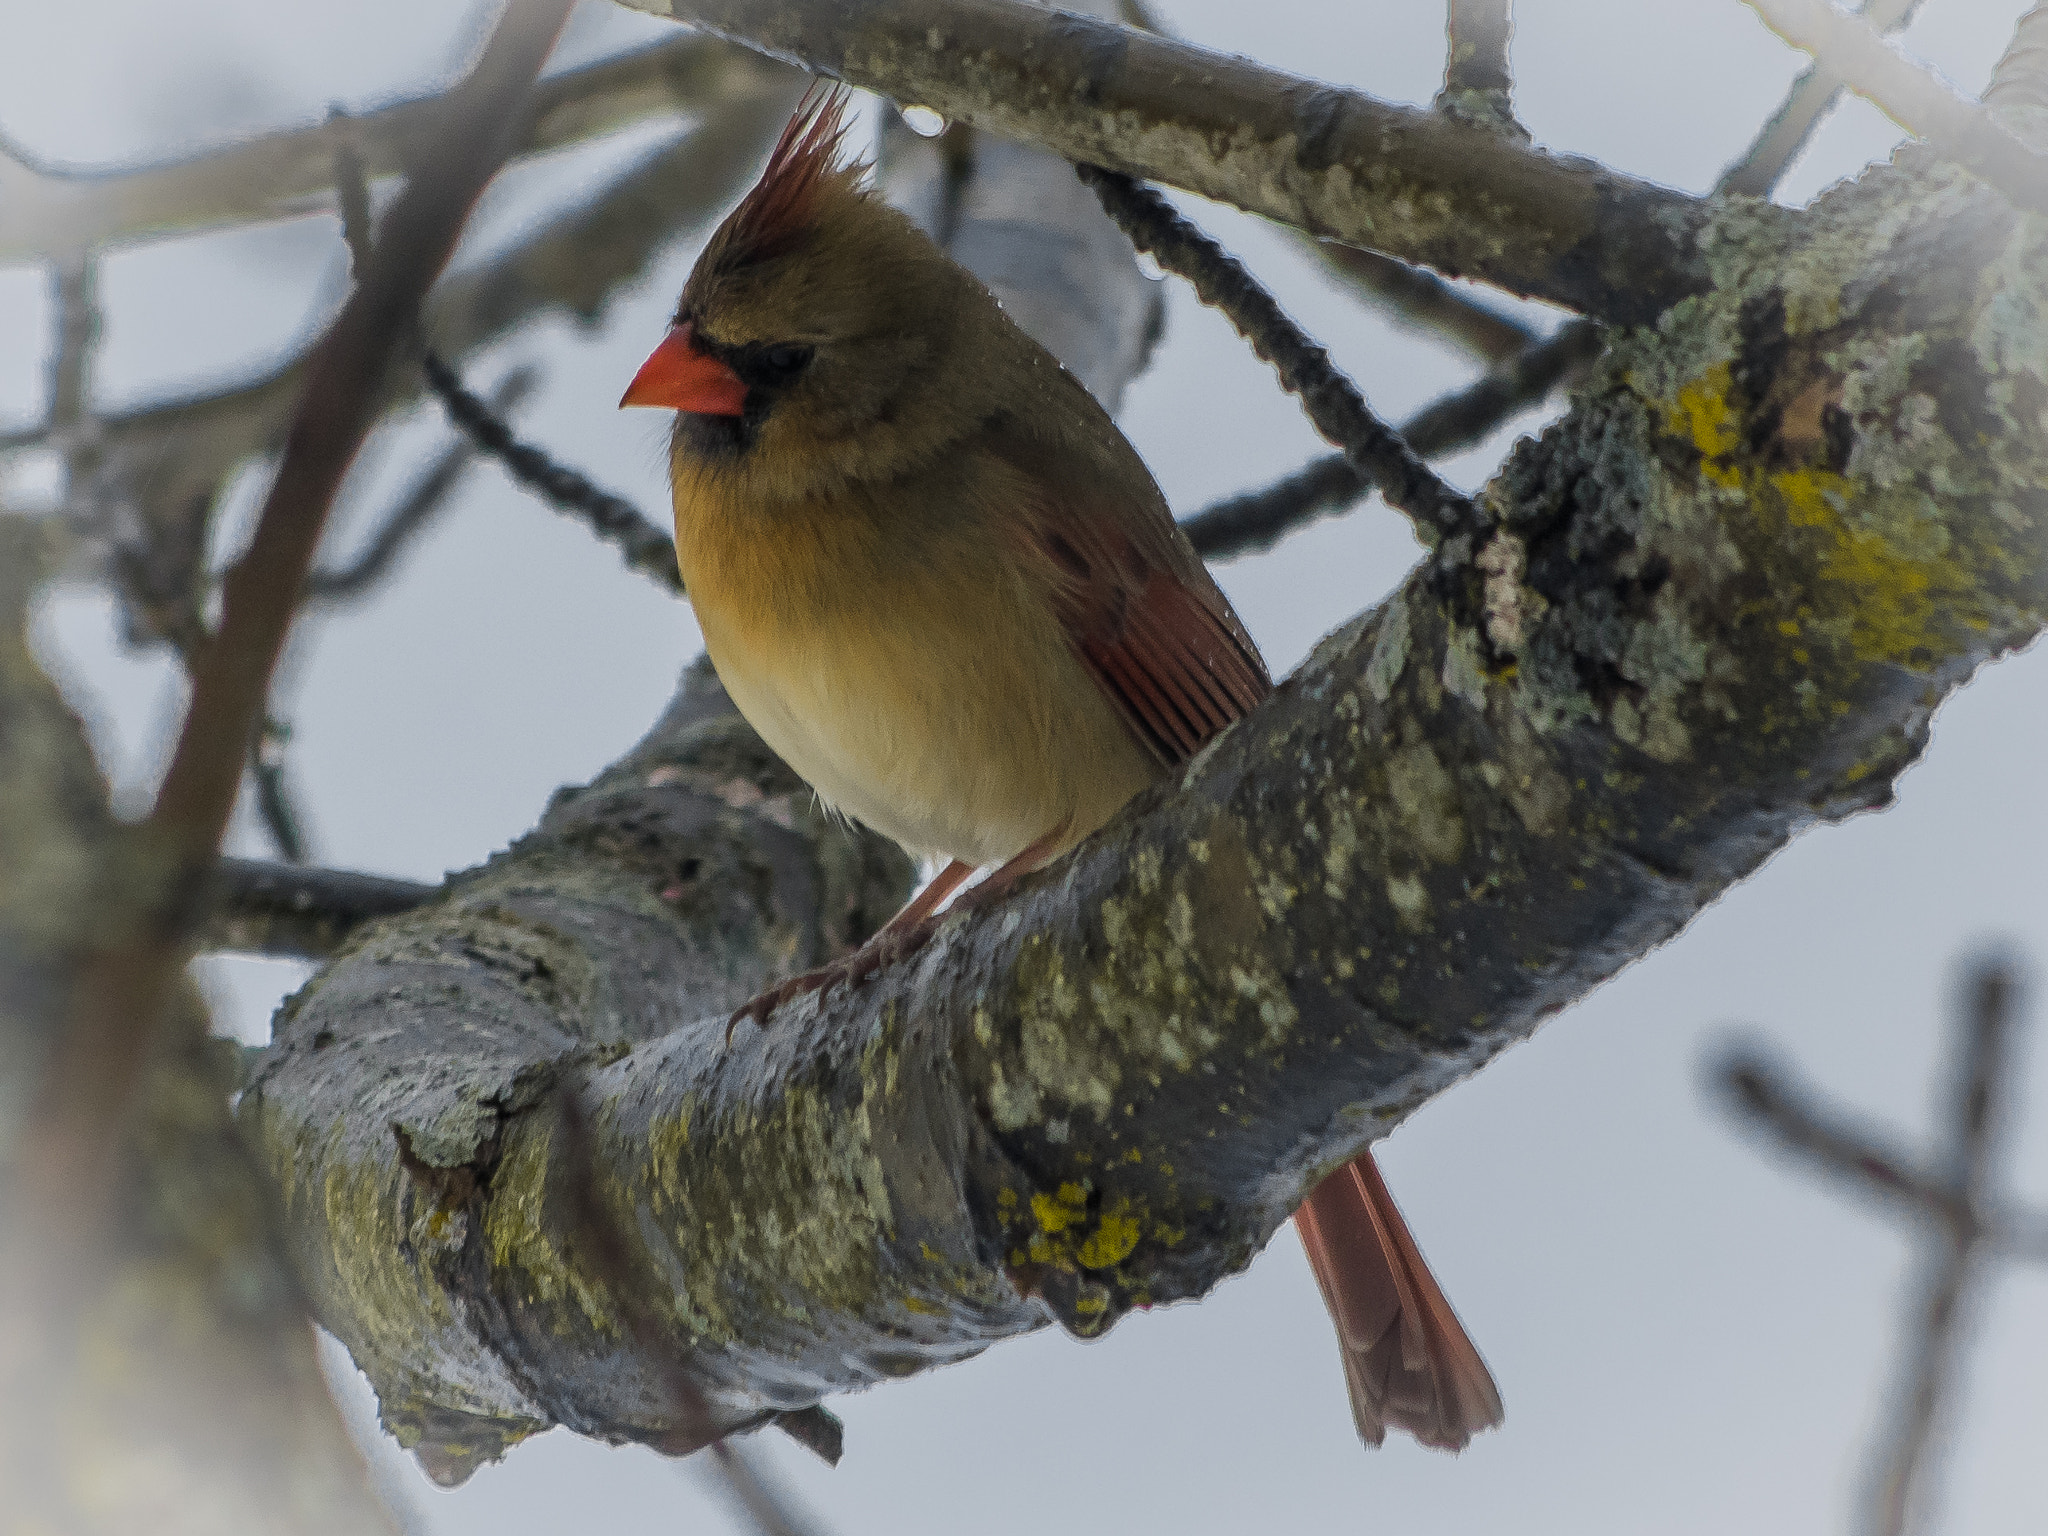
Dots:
pixel 896 941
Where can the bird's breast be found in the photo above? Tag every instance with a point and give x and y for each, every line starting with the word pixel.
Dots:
pixel 910 671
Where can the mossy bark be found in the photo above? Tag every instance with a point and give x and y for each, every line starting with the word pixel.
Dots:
pixel 1720 602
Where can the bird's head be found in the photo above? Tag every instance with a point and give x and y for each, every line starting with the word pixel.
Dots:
pixel 816 337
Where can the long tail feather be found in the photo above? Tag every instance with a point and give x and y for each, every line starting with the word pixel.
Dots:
pixel 1407 1359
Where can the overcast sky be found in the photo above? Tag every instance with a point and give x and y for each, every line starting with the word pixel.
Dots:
pixel 1690 1336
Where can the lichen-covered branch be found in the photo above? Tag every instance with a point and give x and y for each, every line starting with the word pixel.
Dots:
pixel 1478 84
pixel 1416 185
pixel 1724 595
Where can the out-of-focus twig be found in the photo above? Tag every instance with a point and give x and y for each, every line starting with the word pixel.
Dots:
pixel 296 911
pixel 352 193
pixel 1953 1193
pixel 648 548
pixel 71 426
pixel 1425 302
pixel 120 997
pixel 1257 520
pixel 1333 403
pixel 1478 83
pixel 275 806
pixel 415 511
pixel 53 208
pixel 1778 143
pixel 1911 96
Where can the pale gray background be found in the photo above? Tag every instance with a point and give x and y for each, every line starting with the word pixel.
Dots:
pixel 1690 1338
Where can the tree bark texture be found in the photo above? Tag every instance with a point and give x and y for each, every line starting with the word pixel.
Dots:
pixel 1721 600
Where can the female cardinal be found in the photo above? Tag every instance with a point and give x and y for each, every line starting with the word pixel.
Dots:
pixel 939 582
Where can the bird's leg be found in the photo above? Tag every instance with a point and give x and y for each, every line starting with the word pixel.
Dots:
pixel 900 936
pixel 906 932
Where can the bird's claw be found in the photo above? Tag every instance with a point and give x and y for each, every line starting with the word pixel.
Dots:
pixel 891 944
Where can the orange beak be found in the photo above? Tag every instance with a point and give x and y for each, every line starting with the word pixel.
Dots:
pixel 678 377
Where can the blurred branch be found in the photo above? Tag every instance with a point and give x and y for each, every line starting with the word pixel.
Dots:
pixel 1416 185
pixel 648 548
pixel 53 209
pixel 1953 1193
pixel 2021 78
pixel 1780 140
pixel 1425 301
pixel 274 805
pixel 1911 96
pixel 90 1082
pixel 298 911
pixel 1477 80
pixel 415 511
pixel 352 193
pixel 1333 403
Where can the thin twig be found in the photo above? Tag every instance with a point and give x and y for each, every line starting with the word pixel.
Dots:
pixel 89 1083
pixel 1898 1492
pixel 1778 143
pixel 71 426
pixel 1478 83
pixel 426 496
pixel 1425 301
pixel 1257 520
pixel 1954 1195
pixel 352 192
pixel 1911 96
pixel 648 548
pixel 1333 403
pixel 274 807
pixel 297 911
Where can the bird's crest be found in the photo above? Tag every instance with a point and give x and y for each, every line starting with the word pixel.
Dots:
pixel 784 202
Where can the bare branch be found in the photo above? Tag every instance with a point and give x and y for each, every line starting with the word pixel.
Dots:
pixel 1478 83
pixel 1418 186
pixel 1257 520
pixel 1958 128
pixel 352 192
pixel 416 509
pixel 298 912
pixel 91 1080
pixel 1955 1196
pixel 55 209
pixel 1334 405
pixel 648 548
pixel 1778 143
pixel 2021 79
pixel 1424 301
pixel 274 806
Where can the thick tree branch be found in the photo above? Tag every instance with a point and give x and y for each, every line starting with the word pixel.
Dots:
pixel 1725 594
pixel 1414 185
pixel 298 912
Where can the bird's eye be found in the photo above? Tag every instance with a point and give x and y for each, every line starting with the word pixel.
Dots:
pixel 785 361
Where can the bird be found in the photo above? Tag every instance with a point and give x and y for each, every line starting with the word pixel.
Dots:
pixel 939 582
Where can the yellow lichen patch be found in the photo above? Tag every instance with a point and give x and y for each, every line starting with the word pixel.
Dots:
pixel 1111 1241
pixel 1701 414
pixel 1892 592
pixel 1057 1212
